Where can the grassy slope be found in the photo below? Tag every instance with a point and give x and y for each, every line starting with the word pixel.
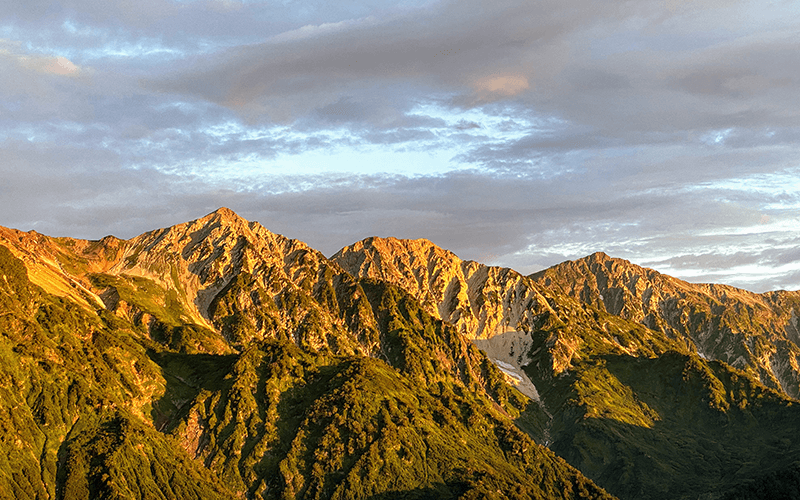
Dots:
pixel 66 374
pixel 433 418
pixel 674 426
pixel 297 425
pixel 95 406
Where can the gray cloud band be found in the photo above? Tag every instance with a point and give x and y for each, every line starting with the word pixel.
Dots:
pixel 634 131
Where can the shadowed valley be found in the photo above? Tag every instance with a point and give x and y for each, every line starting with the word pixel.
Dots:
pixel 215 359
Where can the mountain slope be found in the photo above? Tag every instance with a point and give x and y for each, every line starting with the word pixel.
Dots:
pixel 758 333
pixel 517 321
pixel 675 426
pixel 74 381
pixel 634 408
pixel 215 359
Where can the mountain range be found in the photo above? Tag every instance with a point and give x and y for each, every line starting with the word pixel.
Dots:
pixel 216 359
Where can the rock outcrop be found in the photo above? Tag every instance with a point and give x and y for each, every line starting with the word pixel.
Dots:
pixel 754 332
pixel 215 359
pixel 549 328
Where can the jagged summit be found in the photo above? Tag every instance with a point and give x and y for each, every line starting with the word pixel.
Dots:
pixel 405 242
pixel 755 332
pixel 225 217
pixel 437 277
pixel 375 245
pixel 225 212
pixel 245 346
pixel 402 259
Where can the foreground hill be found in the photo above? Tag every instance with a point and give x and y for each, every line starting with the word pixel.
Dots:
pixel 631 404
pixel 215 359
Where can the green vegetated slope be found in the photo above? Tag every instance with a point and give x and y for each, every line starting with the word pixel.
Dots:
pixel 241 373
pixel 430 418
pixel 634 408
pixel 758 333
pixel 673 426
pixel 76 392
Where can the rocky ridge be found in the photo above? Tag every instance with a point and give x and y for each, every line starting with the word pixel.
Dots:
pixel 497 306
pixel 635 407
pixel 754 332
pixel 216 359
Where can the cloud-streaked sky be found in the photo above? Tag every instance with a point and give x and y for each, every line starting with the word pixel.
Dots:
pixel 515 133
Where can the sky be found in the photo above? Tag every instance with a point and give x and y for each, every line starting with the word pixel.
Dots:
pixel 519 134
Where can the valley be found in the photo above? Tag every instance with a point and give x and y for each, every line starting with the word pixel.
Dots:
pixel 216 359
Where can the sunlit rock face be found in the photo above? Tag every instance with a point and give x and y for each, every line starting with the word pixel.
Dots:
pixel 237 277
pixel 487 304
pixel 754 332
pixel 215 359
pixel 549 328
pixel 482 301
pixel 220 273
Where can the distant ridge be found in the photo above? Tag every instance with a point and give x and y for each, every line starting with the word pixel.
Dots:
pixel 758 333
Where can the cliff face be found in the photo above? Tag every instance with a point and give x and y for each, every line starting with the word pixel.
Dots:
pixel 215 359
pixel 754 332
pixel 482 301
pixel 498 306
pixel 611 353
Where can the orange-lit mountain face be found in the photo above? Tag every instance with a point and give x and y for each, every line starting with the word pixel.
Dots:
pixel 757 333
pixel 216 359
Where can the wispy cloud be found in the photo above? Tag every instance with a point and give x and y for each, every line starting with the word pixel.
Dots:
pixel 514 132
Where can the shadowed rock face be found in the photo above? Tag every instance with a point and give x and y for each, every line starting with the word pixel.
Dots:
pixel 215 359
pixel 754 332
pixel 485 301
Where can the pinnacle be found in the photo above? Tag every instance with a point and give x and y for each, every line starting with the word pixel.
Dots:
pixel 226 213
pixel 224 216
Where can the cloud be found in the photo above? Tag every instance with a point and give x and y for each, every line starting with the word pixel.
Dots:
pixel 52 65
pixel 501 85
pixel 524 133
pixel 446 50
pixel 11 52
pixel 362 72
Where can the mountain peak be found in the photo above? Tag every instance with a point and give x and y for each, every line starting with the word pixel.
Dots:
pixel 601 256
pixel 220 224
pixel 225 216
pixel 392 245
